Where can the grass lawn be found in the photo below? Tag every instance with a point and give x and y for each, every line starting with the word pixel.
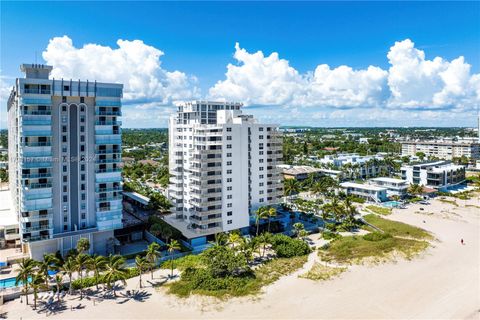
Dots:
pixel 354 249
pixel 379 210
pixel 397 229
pixel 239 285
pixel 320 272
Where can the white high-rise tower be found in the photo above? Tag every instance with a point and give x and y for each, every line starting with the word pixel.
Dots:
pixel 223 166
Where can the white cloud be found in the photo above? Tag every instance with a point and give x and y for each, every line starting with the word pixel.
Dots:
pixel 133 63
pixel 412 82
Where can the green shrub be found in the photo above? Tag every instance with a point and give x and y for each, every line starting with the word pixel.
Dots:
pixel 286 247
pixel 327 235
pixel 331 227
pixel 376 236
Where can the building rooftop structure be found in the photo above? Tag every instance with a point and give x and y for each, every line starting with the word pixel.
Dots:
pixel 388 180
pixel 361 186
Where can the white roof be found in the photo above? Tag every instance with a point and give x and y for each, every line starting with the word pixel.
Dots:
pixel 8 216
pixel 137 197
pixel 387 179
pixel 361 186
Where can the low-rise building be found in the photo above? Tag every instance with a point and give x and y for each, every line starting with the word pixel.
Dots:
pixel 437 174
pixel 299 173
pixel 362 166
pixel 395 187
pixel 366 191
pixel 443 149
pixel 9 228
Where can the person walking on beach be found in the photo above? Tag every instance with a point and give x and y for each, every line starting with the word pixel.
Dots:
pixel 461 241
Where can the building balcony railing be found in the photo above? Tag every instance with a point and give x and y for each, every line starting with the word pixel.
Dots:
pixel 37 144
pixel 35 122
pixel 37 228
pixel 35 238
pixel 108 113
pixel 118 160
pixel 108 123
pixel 36 205
pixel 37 217
pixel 35 164
pixel 35 133
pixel 110 189
pixel 37 91
pixel 38 186
pixel 108 132
pixel 108 170
pixel 36 175
pixel 37 112
pixel 108 178
pixel 112 139
pixel 108 151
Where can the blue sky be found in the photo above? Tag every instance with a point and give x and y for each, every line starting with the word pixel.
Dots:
pixel 198 40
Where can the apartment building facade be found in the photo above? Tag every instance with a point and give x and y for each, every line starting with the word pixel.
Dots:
pixel 223 165
pixel 446 150
pixel 439 175
pixel 64 156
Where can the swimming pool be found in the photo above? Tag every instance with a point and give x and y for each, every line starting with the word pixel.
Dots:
pixel 10 282
pixel 392 204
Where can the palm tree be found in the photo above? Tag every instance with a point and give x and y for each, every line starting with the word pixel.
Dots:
pixel 271 213
pixel 83 245
pixel 350 209
pixel 172 247
pixel 58 284
pixel 69 267
pixel 142 264
pixel 115 271
pixel 415 189
pixel 291 186
pixel 297 227
pixel 49 263
pixel 152 255
pixel 337 209
pixel 261 213
pixel 81 262
pixel 96 264
pixel 25 270
pixel 37 283
pixel 234 238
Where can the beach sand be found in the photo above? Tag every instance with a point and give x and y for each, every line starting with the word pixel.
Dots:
pixel 443 282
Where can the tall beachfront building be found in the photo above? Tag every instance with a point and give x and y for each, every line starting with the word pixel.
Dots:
pixel 64 155
pixel 223 166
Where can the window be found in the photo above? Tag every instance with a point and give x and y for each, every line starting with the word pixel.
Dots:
pixel 229 163
pixel 229 179
pixel 82 100
pixel 229 137
pixel 84 196
pixel 83 215
pixel 260 153
pixel 260 184
pixel 64 188
pixel 260 160
pixel 82 177
pixel 260 192
pixel 82 118
pixel 260 136
pixel 229 155
pixel 64 168
pixel 260 129
pixel 65 199
pixel 229 213
pixel 229 196
pixel 229 146
pixel 64 148
pixel 229 222
pixel 64 128
pixel 64 178
pixel 260 200
pixel 260 176
pixel 82 187
pixel 82 167
pixel 82 148
pixel 65 219
pixel 261 168
pixel 82 206
pixel 229 171
pixel 83 225
pixel 64 108
pixel 82 138
pixel 64 138
pixel 229 129
pixel 66 88
pixel 82 128
pixel 229 205
pixel 229 188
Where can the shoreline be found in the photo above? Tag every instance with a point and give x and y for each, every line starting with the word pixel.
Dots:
pixel 441 282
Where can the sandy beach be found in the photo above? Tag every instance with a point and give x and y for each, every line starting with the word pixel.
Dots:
pixel 443 282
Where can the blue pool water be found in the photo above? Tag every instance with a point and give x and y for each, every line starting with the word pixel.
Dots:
pixel 10 282
pixel 391 204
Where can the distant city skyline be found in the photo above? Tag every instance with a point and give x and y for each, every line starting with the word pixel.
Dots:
pixel 315 64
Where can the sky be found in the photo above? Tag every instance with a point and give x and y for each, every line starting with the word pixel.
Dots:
pixel 290 63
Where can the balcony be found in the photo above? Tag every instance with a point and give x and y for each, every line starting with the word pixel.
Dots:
pixel 37 91
pixel 36 121
pixel 36 152
pixel 111 189
pixel 35 164
pixel 35 238
pixel 108 177
pixel 37 112
pixel 108 151
pixel 108 170
pixel 37 144
pixel 36 217
pixel 118 160
pixel 108 139
pixel 34 186
pixel 36 175
pixel 37 228
pixel 108 123
pixel 109 113
pixel 109 198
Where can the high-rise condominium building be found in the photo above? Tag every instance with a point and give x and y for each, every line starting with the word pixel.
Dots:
pixel 64 154
pixel 223 166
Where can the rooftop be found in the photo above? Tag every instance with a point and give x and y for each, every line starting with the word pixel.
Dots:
pixel 294 170
pixel 387 179
pixel 137 197
pixel 361 186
